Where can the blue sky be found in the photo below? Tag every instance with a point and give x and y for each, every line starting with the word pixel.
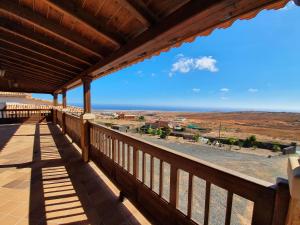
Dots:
pixel 253 65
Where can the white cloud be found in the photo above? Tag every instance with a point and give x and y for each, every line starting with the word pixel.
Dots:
pixel 185 64
pixel 224 90
pixel 206 63
pixel 196 90
pixel 224 98
pixel 253 90
pixel 153 74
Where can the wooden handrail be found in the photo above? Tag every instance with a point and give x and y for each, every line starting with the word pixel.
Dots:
pixel 129 162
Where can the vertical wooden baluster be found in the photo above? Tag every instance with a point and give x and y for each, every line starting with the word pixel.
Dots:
pixel 190 196
pixel 151 172
pixel 174 186
pixel 109 147
pixel 128 158
pixel 228 208
pixel 119 152
pixel 161 177
pixel 113 142
pixel 135 163
pixel 207 201
pixel 123 155
pixel 143 168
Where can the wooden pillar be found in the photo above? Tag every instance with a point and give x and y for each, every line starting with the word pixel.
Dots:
pixel 55 100
pixel 86 94
pixel 64 99
pixel 54 110
pixel 86 118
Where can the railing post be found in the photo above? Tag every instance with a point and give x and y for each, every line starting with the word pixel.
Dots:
pixel 293 217
pixel 85 135
pixel 281 202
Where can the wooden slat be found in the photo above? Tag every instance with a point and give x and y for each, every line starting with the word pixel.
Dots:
pixel 132 8
pixel 85 18
pixel 41 40
pixel 135 162
pixel 47 25
pixel 228 208
pixel 123 155
pixel 151 172
pixel 174 186
pixel 128 159
pixel 207 202
pixel 144 168
pixel 36 54
pixel 29 64
pixel 190 196
pixel 18 55
pixel 161 177
pixel 20 66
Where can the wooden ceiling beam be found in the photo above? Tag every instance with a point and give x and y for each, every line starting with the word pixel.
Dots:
pixel 139 12
pixel 67 7
pixel 26 14
pixel 25 87
pixel 21 68
pixel 41 40
pixel 16 75
pixel 199 17
pixel 26 57
pixel 30 64
pixel 11 44
pixel 40 49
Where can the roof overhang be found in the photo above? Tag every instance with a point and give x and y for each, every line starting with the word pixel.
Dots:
pixel 50 45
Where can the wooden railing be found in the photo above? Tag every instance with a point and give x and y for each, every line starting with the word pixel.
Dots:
pixel 175 188
pixel 25 115
pixel 59 118
pixel 73 127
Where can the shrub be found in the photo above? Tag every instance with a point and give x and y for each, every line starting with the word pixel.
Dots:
pixel 250 141
pixel 276 148
pixel 196 137
pixel 153 132
pixel 240 144
pixel 149 130
pixel 163 135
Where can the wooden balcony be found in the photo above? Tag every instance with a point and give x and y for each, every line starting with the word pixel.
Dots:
pixel 45 181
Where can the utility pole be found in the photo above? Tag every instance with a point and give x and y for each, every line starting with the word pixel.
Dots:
pixel 220 127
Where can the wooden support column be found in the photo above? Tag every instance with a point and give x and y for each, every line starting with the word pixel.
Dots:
pixel 64 99
pixel 86 118
pixel 54 110
pixel 87 94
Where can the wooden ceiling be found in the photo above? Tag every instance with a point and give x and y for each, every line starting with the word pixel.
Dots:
pixel 50 45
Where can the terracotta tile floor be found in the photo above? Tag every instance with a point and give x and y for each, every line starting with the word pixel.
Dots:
pixel 43 181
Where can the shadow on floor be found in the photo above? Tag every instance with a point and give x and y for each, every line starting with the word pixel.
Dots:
pixel 7 132
pixel 64 190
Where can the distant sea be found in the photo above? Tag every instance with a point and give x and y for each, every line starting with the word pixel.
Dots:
pixel 110 107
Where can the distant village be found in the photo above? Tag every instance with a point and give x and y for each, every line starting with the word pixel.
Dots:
pixel 150 124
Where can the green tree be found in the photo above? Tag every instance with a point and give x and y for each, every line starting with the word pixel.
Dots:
pixel 141 118
pixel 158 132
pixel 231 141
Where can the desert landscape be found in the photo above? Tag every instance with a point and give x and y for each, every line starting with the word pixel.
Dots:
pixel 278 127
